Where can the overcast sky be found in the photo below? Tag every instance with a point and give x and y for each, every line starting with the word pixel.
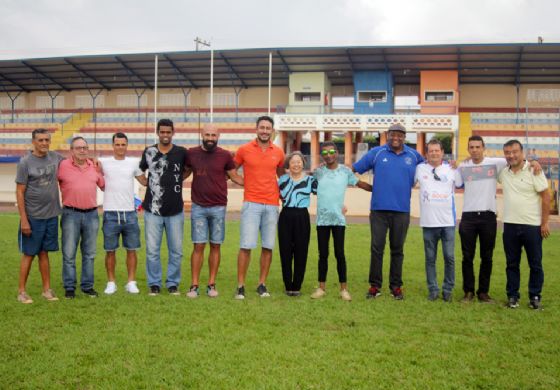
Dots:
pixel 52 28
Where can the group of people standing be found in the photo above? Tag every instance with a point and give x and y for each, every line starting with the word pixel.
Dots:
pixel 268 177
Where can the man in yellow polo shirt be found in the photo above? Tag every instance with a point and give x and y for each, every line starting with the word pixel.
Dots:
pixel 262 161
pixel 526 211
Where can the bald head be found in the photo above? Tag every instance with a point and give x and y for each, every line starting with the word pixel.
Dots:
pixel 210 135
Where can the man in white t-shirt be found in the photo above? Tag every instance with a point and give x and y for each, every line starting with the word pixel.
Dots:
pixel 119 211
pixel 437 218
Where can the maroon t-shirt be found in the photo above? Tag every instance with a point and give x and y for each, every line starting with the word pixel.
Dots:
pixel 209 186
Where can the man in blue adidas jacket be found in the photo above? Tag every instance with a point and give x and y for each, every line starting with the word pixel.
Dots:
pixel 393 166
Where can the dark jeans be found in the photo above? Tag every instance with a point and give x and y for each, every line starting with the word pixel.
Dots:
pixel 515 238
pixel 323 237
pixel 294 230
pixel 397 225
pixel 481 225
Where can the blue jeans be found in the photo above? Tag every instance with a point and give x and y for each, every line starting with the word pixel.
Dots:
pixel 77 226
pixel 154 227
pixel 515 238
pixel 208 222
pixel 431 237
pixel 257 217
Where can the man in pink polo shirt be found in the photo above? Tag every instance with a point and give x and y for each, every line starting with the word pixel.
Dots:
pixel 79 178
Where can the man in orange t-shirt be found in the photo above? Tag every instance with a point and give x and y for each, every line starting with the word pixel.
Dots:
pixel 262 162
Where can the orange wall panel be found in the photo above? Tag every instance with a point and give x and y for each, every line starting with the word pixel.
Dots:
pixel 434 81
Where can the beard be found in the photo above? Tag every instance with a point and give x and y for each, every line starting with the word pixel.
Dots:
pixel 209 145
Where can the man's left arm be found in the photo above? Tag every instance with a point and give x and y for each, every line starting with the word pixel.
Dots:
pixel 364 186
pixel 100 179
pixel 535 166
pixel 235 177
pixel 545 204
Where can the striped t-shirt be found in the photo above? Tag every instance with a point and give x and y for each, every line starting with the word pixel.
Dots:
pixel 296 193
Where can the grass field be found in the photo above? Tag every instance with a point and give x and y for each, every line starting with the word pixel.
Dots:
pixel 126 341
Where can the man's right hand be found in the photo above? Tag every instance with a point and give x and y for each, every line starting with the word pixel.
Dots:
pixel 25 228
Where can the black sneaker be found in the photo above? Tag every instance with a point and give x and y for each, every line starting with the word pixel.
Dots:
pixel 69 294
pixel 513 303
pixel 373 293
pixel 296 293
pixel 91 293
pixel 447 296
pixel 173 290
pixel 240 293
pixel 397 293
pixel 262 291
pixel 154 290
pixel 535 303
pixel 433 296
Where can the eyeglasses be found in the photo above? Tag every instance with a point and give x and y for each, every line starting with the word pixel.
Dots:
pixel 436 177
pixel 80 147
pixel 327 152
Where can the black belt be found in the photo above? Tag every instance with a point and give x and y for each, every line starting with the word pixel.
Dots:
pixel 479 212
pixel 80 210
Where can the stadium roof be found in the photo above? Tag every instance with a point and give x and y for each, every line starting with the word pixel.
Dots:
pixel 522 63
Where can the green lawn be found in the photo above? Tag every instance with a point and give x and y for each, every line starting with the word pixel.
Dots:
pixel 126 341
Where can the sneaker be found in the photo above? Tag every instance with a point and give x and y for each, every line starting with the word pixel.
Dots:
pixel 345 295
pixel 240 293
pixel 193 292
pixel 91 293
pixel 447 296
pixel 131 287
pixel 211 291
pixel 69 294
pixel 513 303
pixel 262 291
pixel 485 298
pixel 373 293
pixel 49 295
pixel 318 293
pixel 154 290
pixel 535 303
pixel 296 293
pixel 433 296
pixel 173 290
pixel 111 288
pixel 469 297
pixel 24 298
pixel 289 293
pixel 397 294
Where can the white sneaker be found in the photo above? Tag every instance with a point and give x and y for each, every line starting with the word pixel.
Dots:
pixel 318 293
pixel 131 287
pixel 111 288
pixel 345 295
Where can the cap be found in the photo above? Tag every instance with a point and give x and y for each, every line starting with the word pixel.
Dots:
pixel 398 127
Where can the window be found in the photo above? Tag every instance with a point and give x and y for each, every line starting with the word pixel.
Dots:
pixel 343 102
pixel 222 100
pixel 131 101
pixel 438 96
pixel 173 100
pixel 308 96
pixel 372 96
pixel 44 102
pixel 86 101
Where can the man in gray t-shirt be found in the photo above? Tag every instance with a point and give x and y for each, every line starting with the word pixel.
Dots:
pixel 39 206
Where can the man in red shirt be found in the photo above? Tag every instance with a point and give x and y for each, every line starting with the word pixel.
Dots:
pixel 262 162
pixel 79 178
pixel 210 165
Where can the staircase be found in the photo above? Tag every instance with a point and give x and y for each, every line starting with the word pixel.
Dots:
pixel 59 139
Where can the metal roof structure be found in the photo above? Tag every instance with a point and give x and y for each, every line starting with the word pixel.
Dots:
pixel 522 63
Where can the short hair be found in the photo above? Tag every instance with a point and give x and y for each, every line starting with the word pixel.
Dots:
pixel 476 138
pixel 77 138
pixel 512 142
pixel 265 118
pixel 292 155
pixel 329 143
pixel 165 122
pixel 434 141
pixel 120 135
pixel 39 131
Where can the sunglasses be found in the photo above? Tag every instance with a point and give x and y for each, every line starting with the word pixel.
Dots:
pixel 436 177
pixel 327 152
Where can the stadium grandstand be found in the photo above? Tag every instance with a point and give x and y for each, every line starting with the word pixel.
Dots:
pixel 348 94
